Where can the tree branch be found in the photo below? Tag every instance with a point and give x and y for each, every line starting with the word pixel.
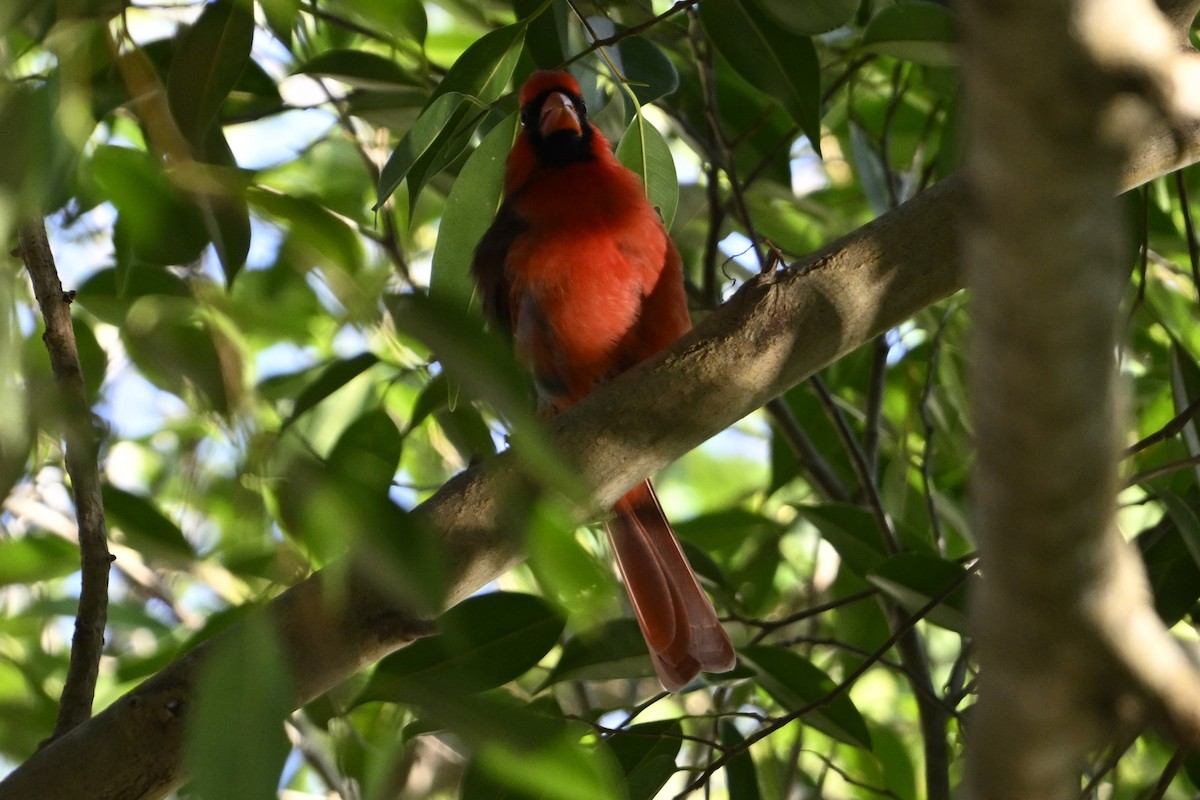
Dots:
pixel 75 704
pixel 1068 641
pixel 774 332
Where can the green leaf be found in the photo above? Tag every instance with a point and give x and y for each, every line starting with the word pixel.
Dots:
pixel 470 209
pixel 548 31
pixel 235 742
pixel 917 31
pixel 485 68
pixel 281 16
pixel 566 571
pixel 486 368
pixel 914 579
pixel 486 641
pixel 177 348
pixel 146 528
pixel 368 452
pixel 147 204
pixel 521 753
pixel 852 532
pixel 647 69
pixel 796 683
pixel 36 557
pixel 212 54
pixel 739 772
pixel 333 377
pixel 110 301
pixel 93 360
pixel 778 63
pixel 359 68
pixel 1186 521
pixel 309 222
pixel 614 650
pixel 643 149
pixel 647 754
pixel 437 120
pixel 810 16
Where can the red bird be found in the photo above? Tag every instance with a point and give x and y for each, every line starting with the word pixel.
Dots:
pixel 579 269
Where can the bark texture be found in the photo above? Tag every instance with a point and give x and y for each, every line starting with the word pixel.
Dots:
pixel 1057 93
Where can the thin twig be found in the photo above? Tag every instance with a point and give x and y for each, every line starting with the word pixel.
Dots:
pixel 866 478
pixel 81 451
pixel 843 687
pixel 931 368
pixel 1172 428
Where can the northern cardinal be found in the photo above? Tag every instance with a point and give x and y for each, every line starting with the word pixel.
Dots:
pixel 579 269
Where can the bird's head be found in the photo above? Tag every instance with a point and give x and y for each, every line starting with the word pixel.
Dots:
pixel 554 119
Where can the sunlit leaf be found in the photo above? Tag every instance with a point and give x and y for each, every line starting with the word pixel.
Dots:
pixel 435 121
pixel 469 211
pixel 236 744
pixel 332 377
pixel 36 557
pixel 643 149
pixel 615 649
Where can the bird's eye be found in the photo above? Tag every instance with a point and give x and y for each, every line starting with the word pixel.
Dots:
pixel 528 115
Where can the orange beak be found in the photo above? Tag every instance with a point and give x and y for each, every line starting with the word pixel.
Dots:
pixel 559 114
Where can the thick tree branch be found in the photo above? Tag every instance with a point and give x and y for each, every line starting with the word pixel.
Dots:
pixel 1058 94
pixel 776 331
pixel 75 704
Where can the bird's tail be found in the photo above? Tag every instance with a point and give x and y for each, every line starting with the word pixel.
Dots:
pixel 677 618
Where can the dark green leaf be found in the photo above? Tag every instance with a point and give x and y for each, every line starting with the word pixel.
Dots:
pixel 914 579
pixel 368 452
pixel 236 744
pixel 212 54
pixel 647 69
pixel 777 62
pixel 359 68
pixel 647 755
pixel 795 683
pixel 615 649
pixel 852 532
pixel 916 31
pixel 36 557
pixel 739 772
pixel 810 16
pixel 147 204
pixel 146 529
pixel 486 641
pixel 547 32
